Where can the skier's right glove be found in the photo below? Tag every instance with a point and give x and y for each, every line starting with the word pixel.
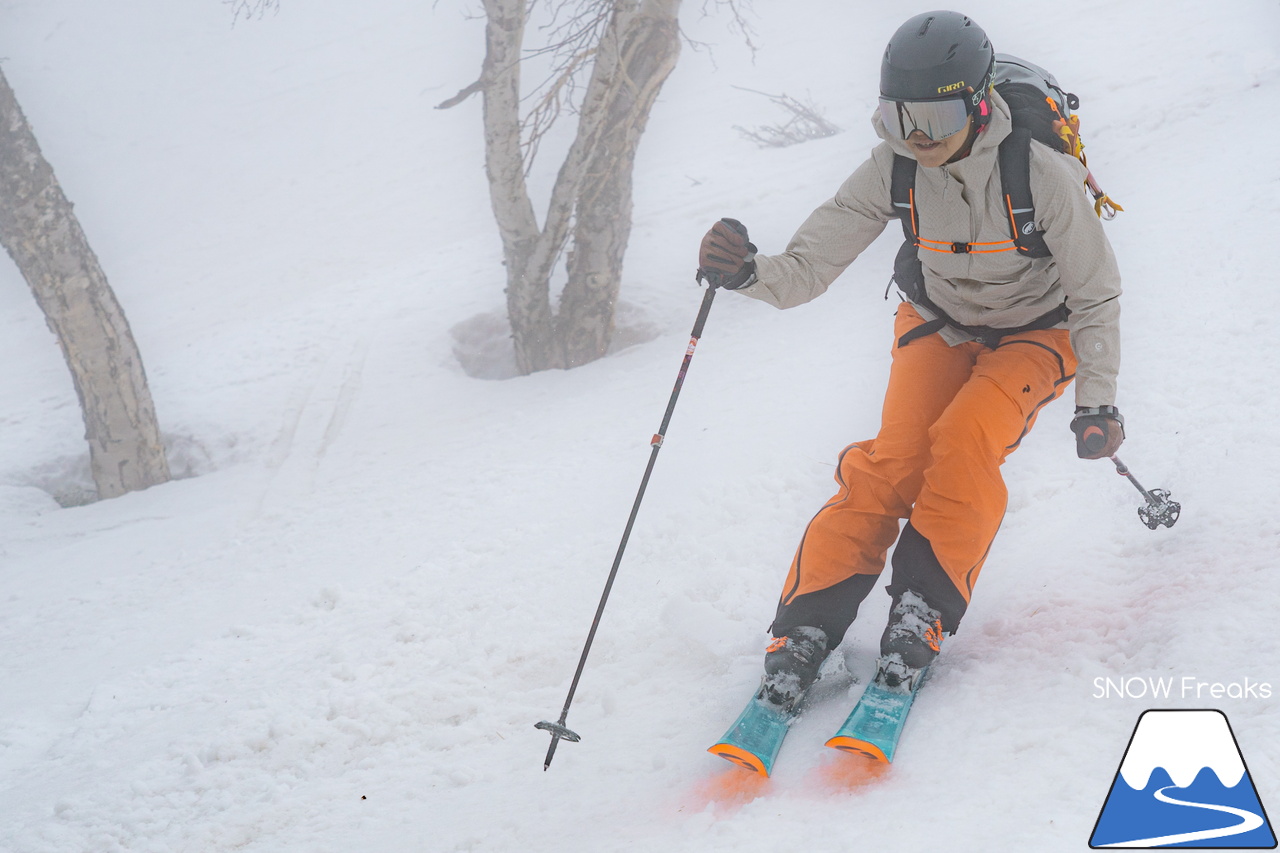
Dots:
pixel 1099 431
pixel 726 258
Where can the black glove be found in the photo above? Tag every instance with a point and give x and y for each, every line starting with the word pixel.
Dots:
pixel 726 258
pixel 1099 431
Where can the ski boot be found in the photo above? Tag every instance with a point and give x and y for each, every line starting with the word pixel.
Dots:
pixel 910 642
pixel 791 666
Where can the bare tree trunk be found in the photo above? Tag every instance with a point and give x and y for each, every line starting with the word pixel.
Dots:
pixel 650 46
pixel 637 52
pixel 41 233
pixel 524 244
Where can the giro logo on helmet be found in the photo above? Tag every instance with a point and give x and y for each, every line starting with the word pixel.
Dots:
pixel 942 90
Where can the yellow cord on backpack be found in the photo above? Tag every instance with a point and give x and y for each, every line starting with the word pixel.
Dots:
pixel 1104 202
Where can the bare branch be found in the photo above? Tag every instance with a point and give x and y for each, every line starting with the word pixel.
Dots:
pixel 466 92
pixel 250 9
pixel 572 36
pixel 806 122
pixel 557 97
pixel 584 26
pixel 739 11
pixel 570 44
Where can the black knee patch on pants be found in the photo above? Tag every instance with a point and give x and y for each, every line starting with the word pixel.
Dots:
pixel 916 567
pixel 832 609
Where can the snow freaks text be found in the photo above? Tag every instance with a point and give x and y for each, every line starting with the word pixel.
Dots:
pixel 1170 687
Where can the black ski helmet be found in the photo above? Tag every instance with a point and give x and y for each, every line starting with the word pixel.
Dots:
pixel 936 55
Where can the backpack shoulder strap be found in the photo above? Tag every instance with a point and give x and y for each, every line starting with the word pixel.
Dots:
pixel 908 273
pixel 902 191
pixel 1015 183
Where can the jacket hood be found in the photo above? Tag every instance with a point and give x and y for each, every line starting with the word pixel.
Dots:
pixel 1000 126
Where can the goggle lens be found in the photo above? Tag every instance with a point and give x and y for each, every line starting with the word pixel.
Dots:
pixel 935 119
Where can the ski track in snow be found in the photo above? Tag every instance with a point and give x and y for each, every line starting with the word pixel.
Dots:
pixel 1248 822
pixel 337 633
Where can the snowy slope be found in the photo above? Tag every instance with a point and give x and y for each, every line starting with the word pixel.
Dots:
pixel 337 633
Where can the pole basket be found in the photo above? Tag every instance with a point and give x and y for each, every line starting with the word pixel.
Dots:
pixel 558 731
pixel 1159 511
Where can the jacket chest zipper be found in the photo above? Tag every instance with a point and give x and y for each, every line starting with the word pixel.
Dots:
pixel 946 188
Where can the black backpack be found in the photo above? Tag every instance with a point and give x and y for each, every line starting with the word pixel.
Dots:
pixel 1042 111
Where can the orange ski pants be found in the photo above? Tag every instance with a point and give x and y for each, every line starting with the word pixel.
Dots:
pixel 952 414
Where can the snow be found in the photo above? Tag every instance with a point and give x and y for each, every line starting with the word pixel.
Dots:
pixel 335 631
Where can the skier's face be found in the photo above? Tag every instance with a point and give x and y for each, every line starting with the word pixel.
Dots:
pixel 932 154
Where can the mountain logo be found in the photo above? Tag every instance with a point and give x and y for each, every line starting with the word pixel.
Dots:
pixel 1183 783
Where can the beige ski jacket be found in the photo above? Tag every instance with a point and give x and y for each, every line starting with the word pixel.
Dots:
pixel 962 202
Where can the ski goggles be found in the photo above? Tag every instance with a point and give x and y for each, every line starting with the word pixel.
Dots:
pixel 935 119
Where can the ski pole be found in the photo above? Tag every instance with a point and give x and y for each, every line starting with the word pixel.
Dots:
pixel 558 730
pixel 1159 509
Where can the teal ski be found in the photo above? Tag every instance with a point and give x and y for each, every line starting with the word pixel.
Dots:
pixel 754 739
pixel 876 723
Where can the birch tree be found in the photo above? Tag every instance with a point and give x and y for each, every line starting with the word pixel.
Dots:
pixel 630 47
pixel 41 233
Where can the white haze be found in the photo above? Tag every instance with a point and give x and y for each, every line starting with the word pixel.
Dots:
pixel 336 631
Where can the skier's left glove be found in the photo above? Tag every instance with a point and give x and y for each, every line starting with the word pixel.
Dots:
pixel 1099 431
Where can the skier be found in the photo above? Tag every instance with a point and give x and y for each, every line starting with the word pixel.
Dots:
pixel 986 336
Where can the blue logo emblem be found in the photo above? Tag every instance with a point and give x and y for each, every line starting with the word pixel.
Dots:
pixel 1183 783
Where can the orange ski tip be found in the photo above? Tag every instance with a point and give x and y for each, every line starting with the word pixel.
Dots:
pixel 740 757
pixel 858 747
